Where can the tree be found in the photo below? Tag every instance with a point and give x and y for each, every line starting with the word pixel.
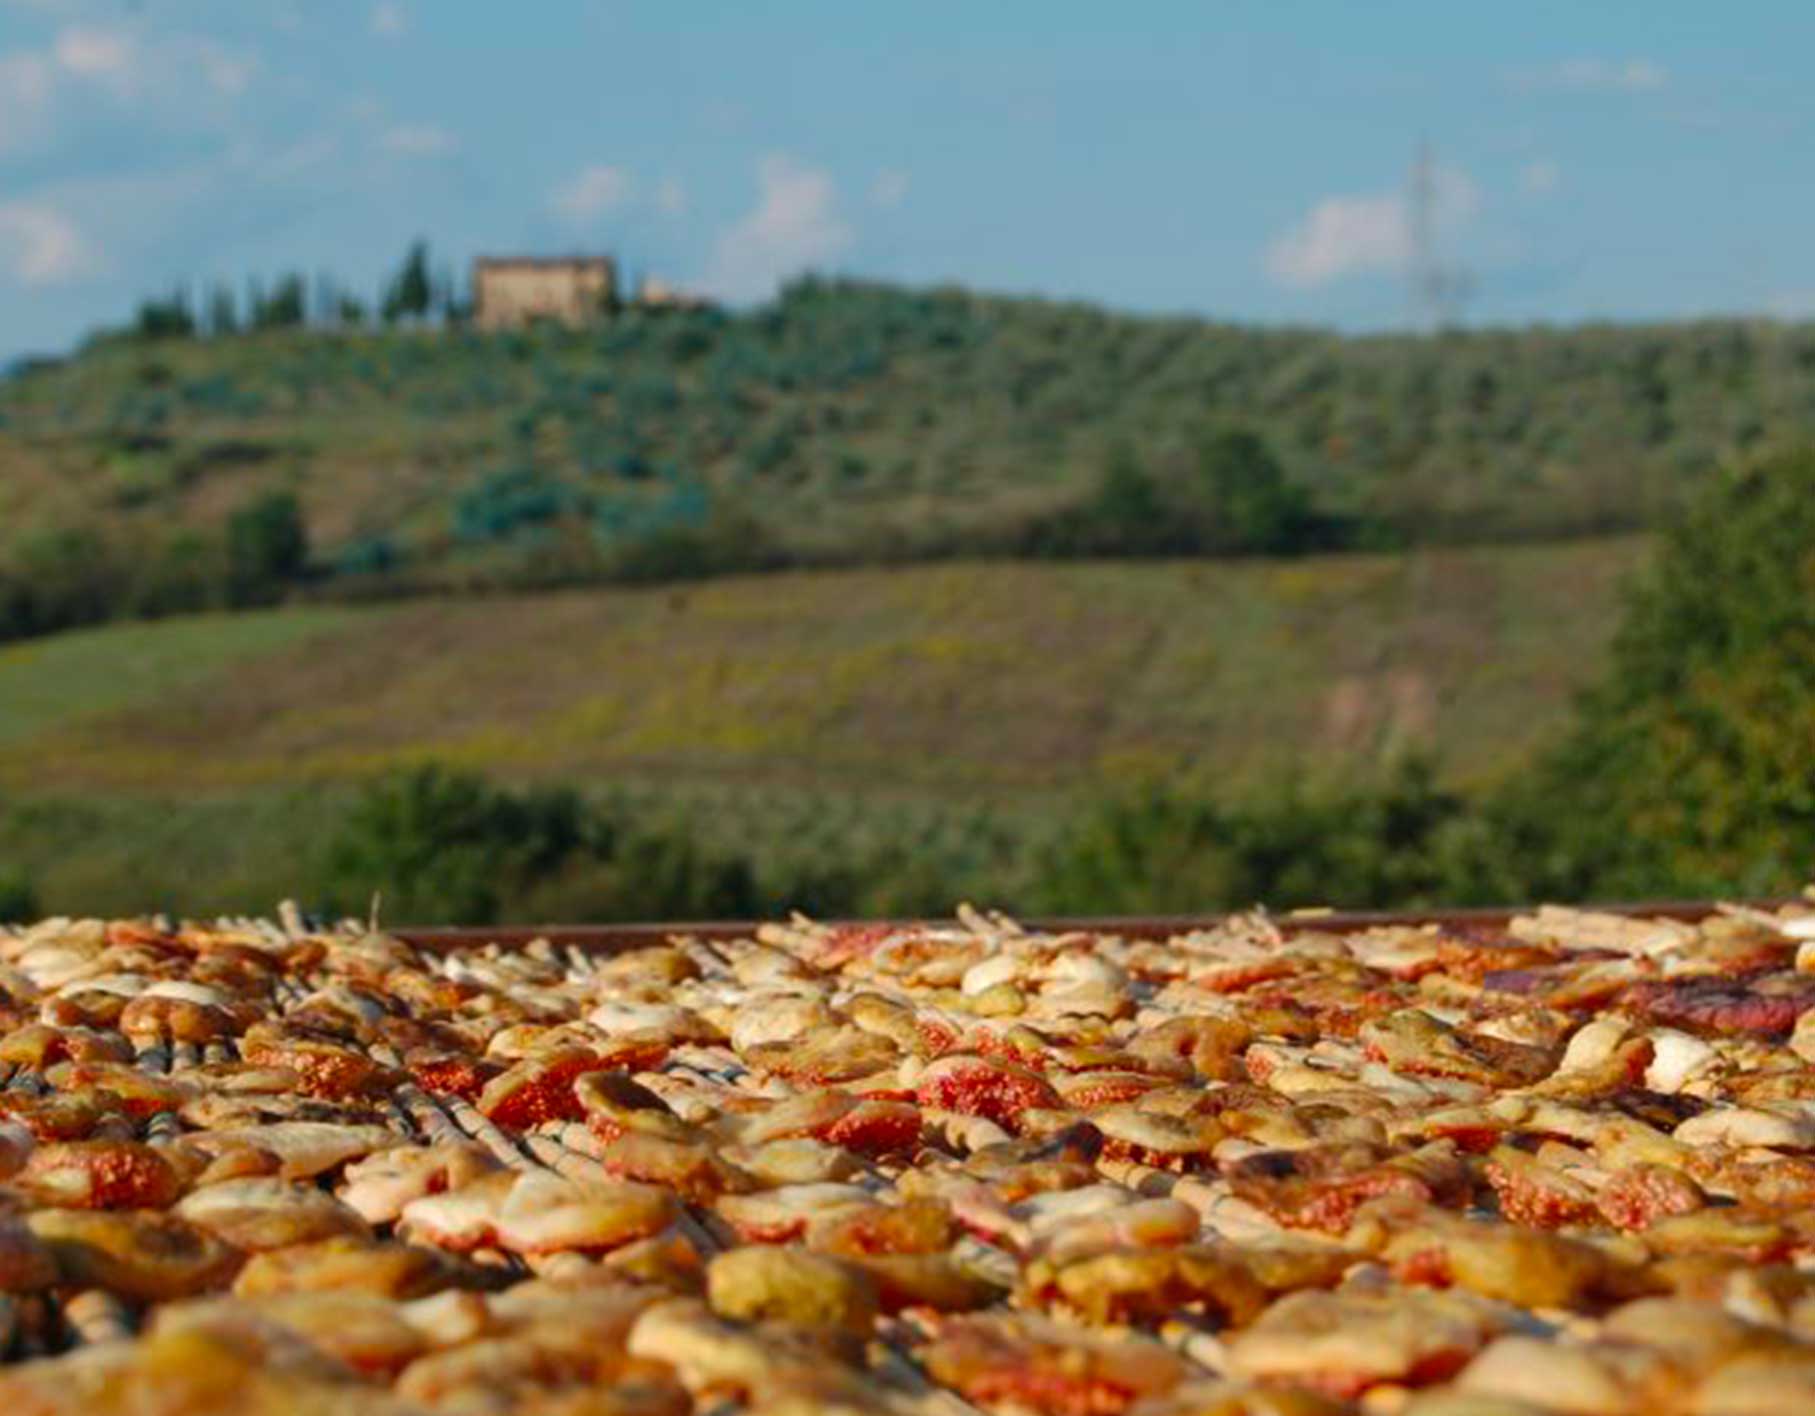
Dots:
pixel 66 576
pixel 448 847
pixel 223 312
pixel 1124 515
pixel 179 575
pixel 446 299
pixel 1241 499
pixel 267 548
pixel 1399 841
pixel 286 306
pixel 411 292
pixel 169 318
pixel 1692 763
pixel 1128 515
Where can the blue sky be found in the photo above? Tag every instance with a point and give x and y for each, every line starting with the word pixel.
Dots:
pixel 1244 161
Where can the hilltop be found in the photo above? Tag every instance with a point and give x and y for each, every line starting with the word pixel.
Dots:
pixel 844 424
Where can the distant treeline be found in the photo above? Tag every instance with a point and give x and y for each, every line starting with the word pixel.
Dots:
pixel 295 300
pixel 65 578
pixel 842 424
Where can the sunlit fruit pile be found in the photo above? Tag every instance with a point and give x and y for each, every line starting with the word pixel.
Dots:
pixel 1263 1168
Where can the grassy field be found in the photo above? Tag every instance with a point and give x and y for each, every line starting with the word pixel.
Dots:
pixel 202 758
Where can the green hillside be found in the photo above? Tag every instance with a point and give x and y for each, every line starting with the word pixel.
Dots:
pixel 202 759
pixel 844 424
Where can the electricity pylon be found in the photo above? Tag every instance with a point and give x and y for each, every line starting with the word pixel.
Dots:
pixel 1438 291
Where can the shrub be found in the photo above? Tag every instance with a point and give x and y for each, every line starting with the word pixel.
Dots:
pixel 645 873
pixel 18 901
pixel 1691 766
pixel 267 549
pixel 1229 497
pixel 1124 516
pixel 184 574
pixel 448 847
pixel 502 503
pixel 1400 842
pixel 62 578
pixel 728 544
pixel 1239 501
pixel 370 555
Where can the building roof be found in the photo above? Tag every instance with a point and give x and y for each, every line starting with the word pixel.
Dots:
pixel 545 262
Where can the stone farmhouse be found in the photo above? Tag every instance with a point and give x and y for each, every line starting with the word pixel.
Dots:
pixel 510 292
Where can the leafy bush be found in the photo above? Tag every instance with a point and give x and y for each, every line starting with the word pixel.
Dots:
pixel 60 579
pixel 220 395
pixel 1238 500
pixel 267 549
pixel 1692 764
pixel 185 574
pixel 18 901
pixel 1231 498
pixel 1163 850
pixel 449 847
pixel 646 874
pixel 1125 516
pixel 728 544
pixel 502 503
pixel 371 555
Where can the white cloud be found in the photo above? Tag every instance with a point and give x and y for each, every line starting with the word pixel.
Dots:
pixel 417 140
pixel 390 20
pixel 227 71
pixel 1341 236
pixel 889 190
pixel 88 52
pixel 26 86
pixel 162 73
pixel 1540 177
pixel 794 227
pixel 88 225
pixel 592 192
pixel 1364 234
pixel 670 197
pixel 39 245
pixel 1596 75
pixel 305 155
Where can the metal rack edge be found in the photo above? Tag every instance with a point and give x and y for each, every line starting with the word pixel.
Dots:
pixel 620 938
